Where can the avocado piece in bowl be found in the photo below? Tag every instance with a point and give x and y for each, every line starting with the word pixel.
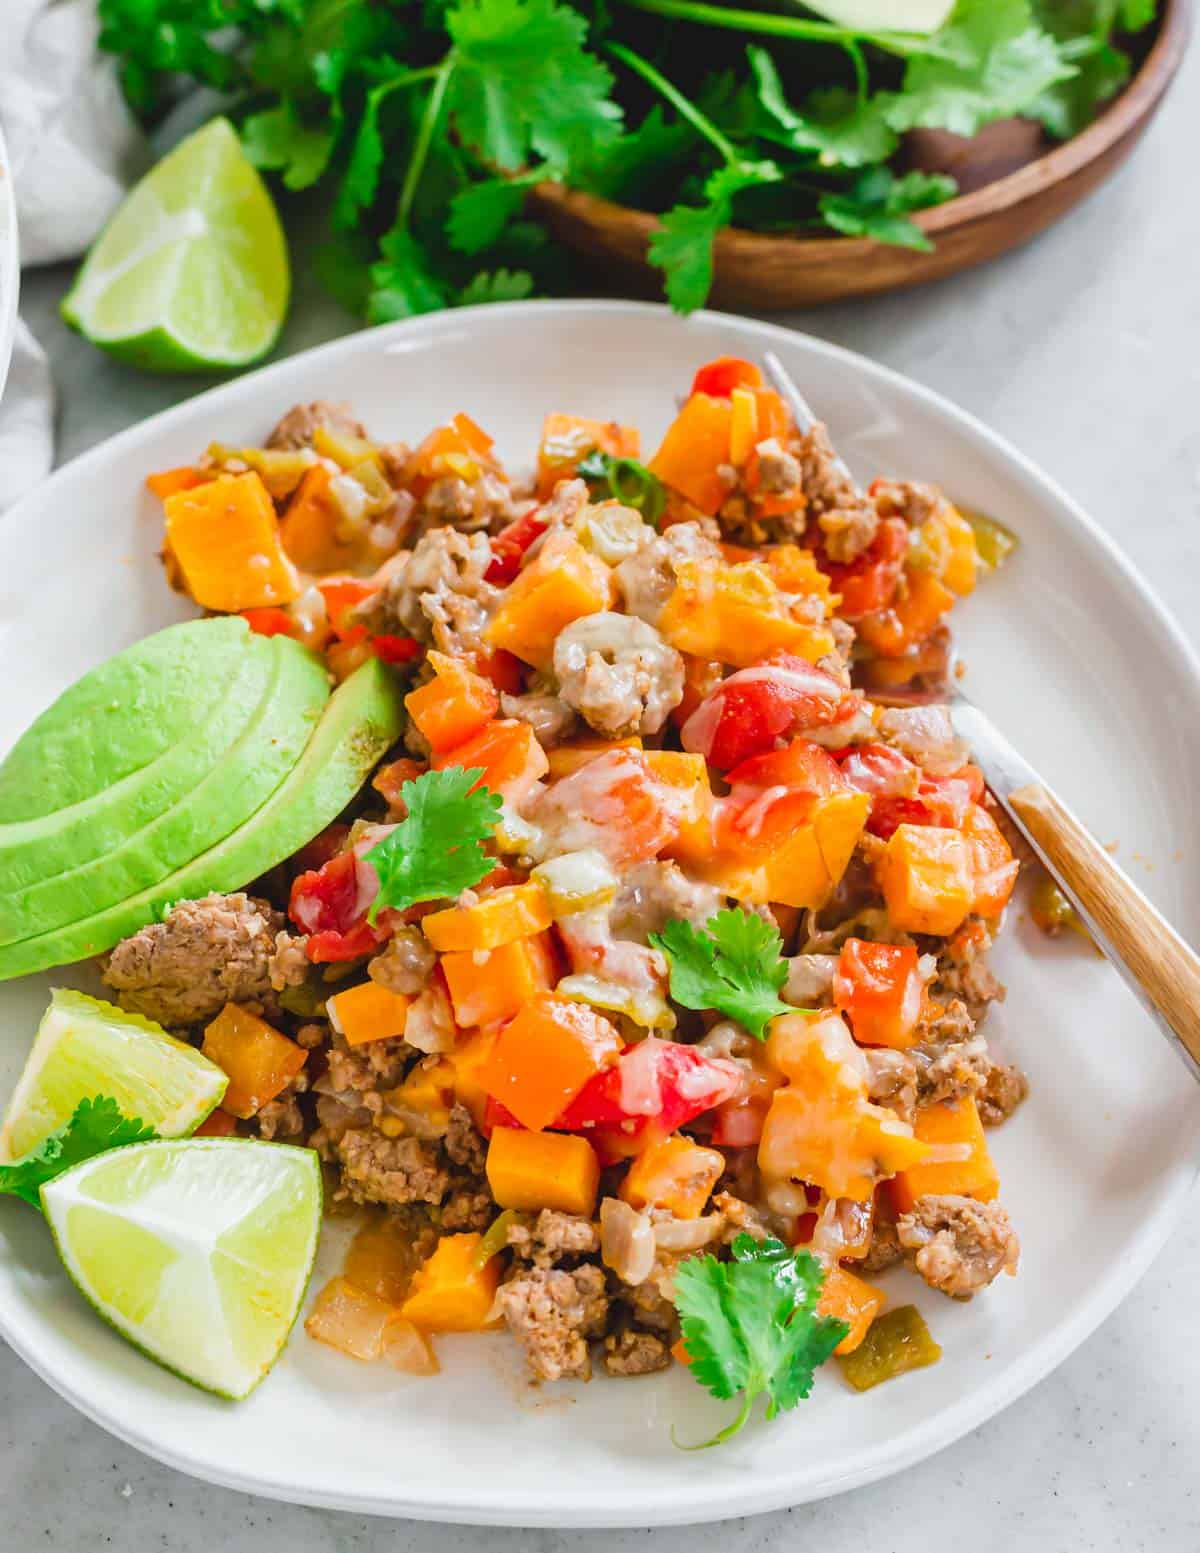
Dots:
pixel 270 744
pixel 362 718
pixel 66 838
pixel 133 708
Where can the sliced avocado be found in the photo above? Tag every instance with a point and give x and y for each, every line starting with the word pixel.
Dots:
pixel 121 716
pixel 270 745
pixel 50 844
pixel 362 719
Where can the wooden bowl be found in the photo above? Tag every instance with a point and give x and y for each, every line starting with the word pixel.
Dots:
pixel 766 273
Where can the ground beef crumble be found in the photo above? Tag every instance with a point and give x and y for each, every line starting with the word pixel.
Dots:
pixel 554 1314
pixel 390 1170
pixel 960 1245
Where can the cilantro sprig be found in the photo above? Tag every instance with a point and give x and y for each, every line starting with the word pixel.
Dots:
pixel 95 1126
pixel 436 851
pixel 420 131
pixel 736 967
pixel 750 1326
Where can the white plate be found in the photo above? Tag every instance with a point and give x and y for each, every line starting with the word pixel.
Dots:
pixel 10 266
pixel 1067 649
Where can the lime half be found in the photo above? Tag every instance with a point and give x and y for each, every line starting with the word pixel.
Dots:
pixel 85 1048
pixel 198 1251
pixel 192 271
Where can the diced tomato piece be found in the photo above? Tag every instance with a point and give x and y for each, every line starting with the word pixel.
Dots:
pixel 510 544
pixel 879 988
pixel 396 649
pixel 504 669
pixel 656 1085
pixel 326 844
pixel 869 584
pixel 880 771
pixel 271 621
pixel 801 764
pixel 341 595
pixel 324 947
pixel 738 1124
pixel 719 378
pixel 326 899
pixel 756 708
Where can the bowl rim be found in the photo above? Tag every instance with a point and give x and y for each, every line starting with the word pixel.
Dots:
pixel 981 1402
pixel 1130 107
pixel 10 263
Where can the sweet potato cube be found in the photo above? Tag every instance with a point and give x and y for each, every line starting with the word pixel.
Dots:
pixel 453 706
pixel 896 631
pixel 534 1170
pixel 962 559
pixel 224 537
pixel 428 1089
pixel 502 917
pixel 259 1060
pixel 561 583
pixel 453 1291
pixel 490 986
pixel 567 758
pixel 508 753
pixel 975 1176
pixel 694 448
pixel 309 528
pixel 852 1300
pixel 735 615
pixel 993 867
pixel 369 1012
pixel 926 879
pixel 674 1173
pixel 544 1057
pixel 568 438
pixel 467 1060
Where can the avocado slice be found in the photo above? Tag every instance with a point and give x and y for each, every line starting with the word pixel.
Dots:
pixel 234 789
pixel 53 843
pixel 133 708
pixel 362 718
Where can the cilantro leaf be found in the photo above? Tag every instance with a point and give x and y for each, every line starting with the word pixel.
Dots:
pixel 631 167
pixel 682 246
pixel 496 286
pixel 841 129
pixel 95 1126
pixel 993 62
pixel 279 139
pixel 1069 106
pixel 436 850
pixel 1136 14
pixel 403 281
pixel 878 204
pixel 736 967
pixel 523 79
pixel 480 212
pixel 750 1325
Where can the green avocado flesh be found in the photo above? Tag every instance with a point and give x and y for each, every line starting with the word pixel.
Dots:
pixel 37 849
pixel 229 794
pixel 122 716
pixel 362 718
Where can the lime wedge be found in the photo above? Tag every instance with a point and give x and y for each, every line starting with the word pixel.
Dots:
pixel 84 1048
pixel 192 271
pixel 198 1252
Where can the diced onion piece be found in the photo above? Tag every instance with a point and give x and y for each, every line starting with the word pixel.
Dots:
pixel 381 1261
pixel 627 1243
pixel 682 1235
pixel 612 532
pixel 576 881
pixel 406 1348
pixel 514 834
pixel 349 1319
pixel 646 1008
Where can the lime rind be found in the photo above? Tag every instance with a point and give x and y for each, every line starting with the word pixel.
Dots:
pixel 85 1047
pixel 198 1252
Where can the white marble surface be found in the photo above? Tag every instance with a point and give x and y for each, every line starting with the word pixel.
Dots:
pixel 1082 349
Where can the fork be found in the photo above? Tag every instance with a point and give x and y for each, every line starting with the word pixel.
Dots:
pixel 1159 967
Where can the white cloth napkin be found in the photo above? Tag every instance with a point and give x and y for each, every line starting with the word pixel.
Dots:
pixel 73 148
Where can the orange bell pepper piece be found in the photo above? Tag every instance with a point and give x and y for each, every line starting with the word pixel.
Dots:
pixel 544 1057
pixel 259 1060
pixel 509 754
pixel 879 989
pixel 529 1171
pixel 926 878
pixel 309 528
pixel 224 537
pixel 453 706
pixel 975 1176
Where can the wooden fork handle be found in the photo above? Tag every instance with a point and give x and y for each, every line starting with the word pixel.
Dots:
pixel 1143 946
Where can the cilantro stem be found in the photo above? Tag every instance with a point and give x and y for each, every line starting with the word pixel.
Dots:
pixel 779 26
pixel 721 1435
pixel 425 134
pixel 686 110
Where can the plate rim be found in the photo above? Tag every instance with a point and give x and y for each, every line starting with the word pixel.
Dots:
pixel 935 1432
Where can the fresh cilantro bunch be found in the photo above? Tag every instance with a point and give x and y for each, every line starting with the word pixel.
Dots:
pixel 95 1126
pixel 417 131
pixel 436 850
pixel 736 967
pixel 750 1325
